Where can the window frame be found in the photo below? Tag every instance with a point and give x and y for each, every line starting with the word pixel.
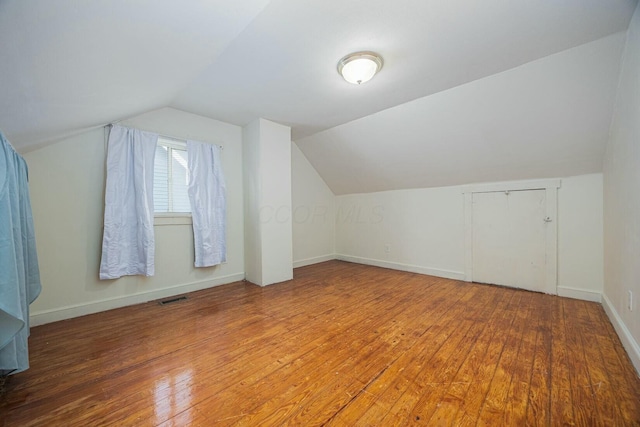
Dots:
pixel 171 218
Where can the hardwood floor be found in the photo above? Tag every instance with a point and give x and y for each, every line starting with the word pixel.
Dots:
pixel 342 344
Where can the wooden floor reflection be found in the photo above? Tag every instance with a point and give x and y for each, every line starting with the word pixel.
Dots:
pixel 341 344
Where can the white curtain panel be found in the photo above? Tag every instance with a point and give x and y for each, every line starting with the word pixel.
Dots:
pixel 208 203
pixel 128 244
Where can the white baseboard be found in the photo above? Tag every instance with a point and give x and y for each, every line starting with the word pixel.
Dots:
pixel 629 343
pixel 77 310
pixel 314 260
pixel 455 275
pixel 575 293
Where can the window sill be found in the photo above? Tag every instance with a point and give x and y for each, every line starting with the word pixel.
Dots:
pixel 172 219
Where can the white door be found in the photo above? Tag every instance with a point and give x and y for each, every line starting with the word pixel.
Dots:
pixel 509 238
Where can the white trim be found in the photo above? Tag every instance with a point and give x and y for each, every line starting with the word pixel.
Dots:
pixel 628 342
pixel 575 293
pixel 551 205
pixel 455 275
pixel 314 260
pixel 489 187
pixel 468 236
pixel 77 310
pixel 551 239
pixel 178 144
pixel 172 219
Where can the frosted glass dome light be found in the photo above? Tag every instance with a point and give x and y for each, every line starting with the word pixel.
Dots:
pixel 359 67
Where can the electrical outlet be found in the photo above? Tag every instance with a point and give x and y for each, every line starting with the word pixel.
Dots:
pixel 387 248
pixel 630 301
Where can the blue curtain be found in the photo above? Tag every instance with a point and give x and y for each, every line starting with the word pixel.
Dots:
pixel 19 273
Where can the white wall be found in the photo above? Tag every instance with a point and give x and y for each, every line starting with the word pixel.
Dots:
pixel 580 246
pixel 67 192
pixel 314 225
pixel 423 228
pixel 424 232
pixel 622 201
pixel 251 174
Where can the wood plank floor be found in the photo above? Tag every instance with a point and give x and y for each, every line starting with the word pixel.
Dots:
pixel 342 344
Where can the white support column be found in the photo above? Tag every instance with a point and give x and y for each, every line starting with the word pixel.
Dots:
pixel 268 213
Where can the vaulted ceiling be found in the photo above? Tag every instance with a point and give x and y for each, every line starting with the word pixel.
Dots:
pixel 470 91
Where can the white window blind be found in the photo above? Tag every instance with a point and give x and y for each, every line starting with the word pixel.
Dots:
pixel 170 177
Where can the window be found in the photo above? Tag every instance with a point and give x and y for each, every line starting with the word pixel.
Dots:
pixel 170 177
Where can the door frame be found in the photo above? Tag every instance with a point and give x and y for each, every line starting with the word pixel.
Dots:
pixel 551 238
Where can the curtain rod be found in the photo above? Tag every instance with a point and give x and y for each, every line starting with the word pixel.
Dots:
pixel 175 138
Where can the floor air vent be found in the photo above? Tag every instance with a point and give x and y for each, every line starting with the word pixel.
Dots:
pixel 172 300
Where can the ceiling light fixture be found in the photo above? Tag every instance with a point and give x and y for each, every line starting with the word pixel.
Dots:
pixel 359 67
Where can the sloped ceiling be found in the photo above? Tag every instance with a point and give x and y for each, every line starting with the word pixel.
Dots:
pixel 69 65
pixel 450 105
pixel 547 118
